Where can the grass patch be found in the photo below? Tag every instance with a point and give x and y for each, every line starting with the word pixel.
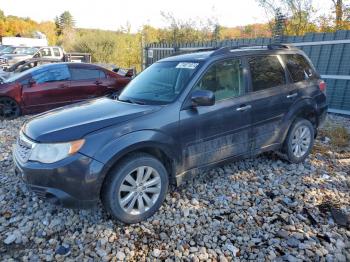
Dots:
pixel 339 136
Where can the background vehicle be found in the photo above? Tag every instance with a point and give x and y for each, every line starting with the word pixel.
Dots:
pixel 180 115
pixel 45 87
pixel 25 65
pixel 20 50
pixel 24 41
pixel 22 53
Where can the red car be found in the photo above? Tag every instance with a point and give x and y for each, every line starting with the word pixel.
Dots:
pixel 53 85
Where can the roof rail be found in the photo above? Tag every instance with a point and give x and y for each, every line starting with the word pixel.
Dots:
pixel 280 46
pixel 221 50
pixel 186 50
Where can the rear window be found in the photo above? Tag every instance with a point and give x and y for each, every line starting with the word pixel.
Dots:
pixel 86 74
pixel 266 72
pixel 56 52
pixel 298 67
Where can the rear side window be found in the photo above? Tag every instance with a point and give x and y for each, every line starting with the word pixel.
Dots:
pixel 56 52
pixel 266 72
pixel 45 52
pixel 102 74
pixel 51 74
pixel 298 67
pixel 86 74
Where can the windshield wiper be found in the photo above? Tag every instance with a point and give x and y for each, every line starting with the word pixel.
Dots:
pixel 131 101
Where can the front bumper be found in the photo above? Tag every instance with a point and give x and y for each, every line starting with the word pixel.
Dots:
pixel 73 182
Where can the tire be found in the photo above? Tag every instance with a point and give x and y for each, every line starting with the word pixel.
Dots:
pixel 297 147
pixel 9 109
pixel 124 176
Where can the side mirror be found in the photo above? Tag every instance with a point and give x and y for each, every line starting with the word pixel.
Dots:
pixel 31 82
pixel 203 98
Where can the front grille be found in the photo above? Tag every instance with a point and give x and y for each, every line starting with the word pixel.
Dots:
pixel 3 60
pixel 23 148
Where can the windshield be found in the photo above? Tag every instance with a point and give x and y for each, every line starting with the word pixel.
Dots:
pixel 8 50
pixel 161 83
pixel 17 76
pixel 2 47
pixel 26 50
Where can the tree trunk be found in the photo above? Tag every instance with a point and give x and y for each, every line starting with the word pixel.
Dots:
pixel 338 5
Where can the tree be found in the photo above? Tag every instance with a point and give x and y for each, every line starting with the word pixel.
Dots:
pixel 342 14
pixel 2 15
pixel 64 22
pixel 299 14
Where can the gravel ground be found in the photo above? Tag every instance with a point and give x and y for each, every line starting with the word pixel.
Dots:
pixel 256 209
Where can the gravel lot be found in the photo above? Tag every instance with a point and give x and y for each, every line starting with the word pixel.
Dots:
pixel 256 209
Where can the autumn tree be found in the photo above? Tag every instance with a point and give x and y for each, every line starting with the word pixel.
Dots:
pixel 299 14
pixel 64 22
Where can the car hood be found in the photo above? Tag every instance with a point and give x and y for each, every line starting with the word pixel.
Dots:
pixel 74 122
pixel 10 56
pixel 5 75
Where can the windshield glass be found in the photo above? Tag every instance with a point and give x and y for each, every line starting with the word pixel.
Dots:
pixel 17 76
pixel 26 50
pixel 160 83
pixel 8 50
pixel 2 47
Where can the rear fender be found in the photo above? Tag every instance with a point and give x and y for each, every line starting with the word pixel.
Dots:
pixel 302 107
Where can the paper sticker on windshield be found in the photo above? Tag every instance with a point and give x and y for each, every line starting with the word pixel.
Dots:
pixel 187 65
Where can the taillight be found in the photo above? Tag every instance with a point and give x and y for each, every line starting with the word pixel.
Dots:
pixel 322 85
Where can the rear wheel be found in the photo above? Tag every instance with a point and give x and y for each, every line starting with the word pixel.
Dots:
pixel 9 109
pixel 135 188
pixel 299 141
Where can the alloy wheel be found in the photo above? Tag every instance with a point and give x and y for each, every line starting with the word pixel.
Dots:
pixel 139 190
pixel 301 141
pixel 8 108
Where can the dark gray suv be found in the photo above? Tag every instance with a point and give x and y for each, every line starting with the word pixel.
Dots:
pixel 182 114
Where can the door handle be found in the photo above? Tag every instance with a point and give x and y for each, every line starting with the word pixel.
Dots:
pixel 244 108
pixel 98 82
pixel 63 86
pixel 292 95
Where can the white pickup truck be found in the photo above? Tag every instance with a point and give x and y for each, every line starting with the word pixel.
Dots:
pixel 17 54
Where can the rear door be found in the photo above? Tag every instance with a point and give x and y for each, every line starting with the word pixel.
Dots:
pixel 269 97
pixel 211 134
pixel 51 88
pixel 86 82
pixel 302 75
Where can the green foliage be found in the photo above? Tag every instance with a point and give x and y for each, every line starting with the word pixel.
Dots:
pixel 121 49
pixel 65 22
pixel 101 45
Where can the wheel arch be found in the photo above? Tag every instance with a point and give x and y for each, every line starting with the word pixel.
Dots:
pixel 306 109
pixel 160 146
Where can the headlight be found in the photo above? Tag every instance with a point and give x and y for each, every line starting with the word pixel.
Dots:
pixel 50 153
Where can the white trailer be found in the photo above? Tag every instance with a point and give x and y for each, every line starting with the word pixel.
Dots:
pixel 24 41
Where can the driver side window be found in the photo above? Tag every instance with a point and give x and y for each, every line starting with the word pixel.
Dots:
pixel 52 74
pixel 225 79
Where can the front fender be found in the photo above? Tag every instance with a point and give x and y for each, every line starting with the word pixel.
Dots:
pixel 115 149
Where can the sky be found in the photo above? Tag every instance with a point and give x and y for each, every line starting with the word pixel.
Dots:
pixel 112 14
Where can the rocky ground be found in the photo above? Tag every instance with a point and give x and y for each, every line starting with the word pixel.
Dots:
pixel 256 209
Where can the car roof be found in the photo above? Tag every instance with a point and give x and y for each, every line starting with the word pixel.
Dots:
pixel 75 64
pixel 227 51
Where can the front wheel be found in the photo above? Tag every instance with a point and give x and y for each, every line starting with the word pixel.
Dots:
pixel 135 189
pixel 9 109
pixel 299 141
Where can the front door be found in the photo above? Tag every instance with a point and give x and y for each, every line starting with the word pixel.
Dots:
pixel 50 88
pixel 213 133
